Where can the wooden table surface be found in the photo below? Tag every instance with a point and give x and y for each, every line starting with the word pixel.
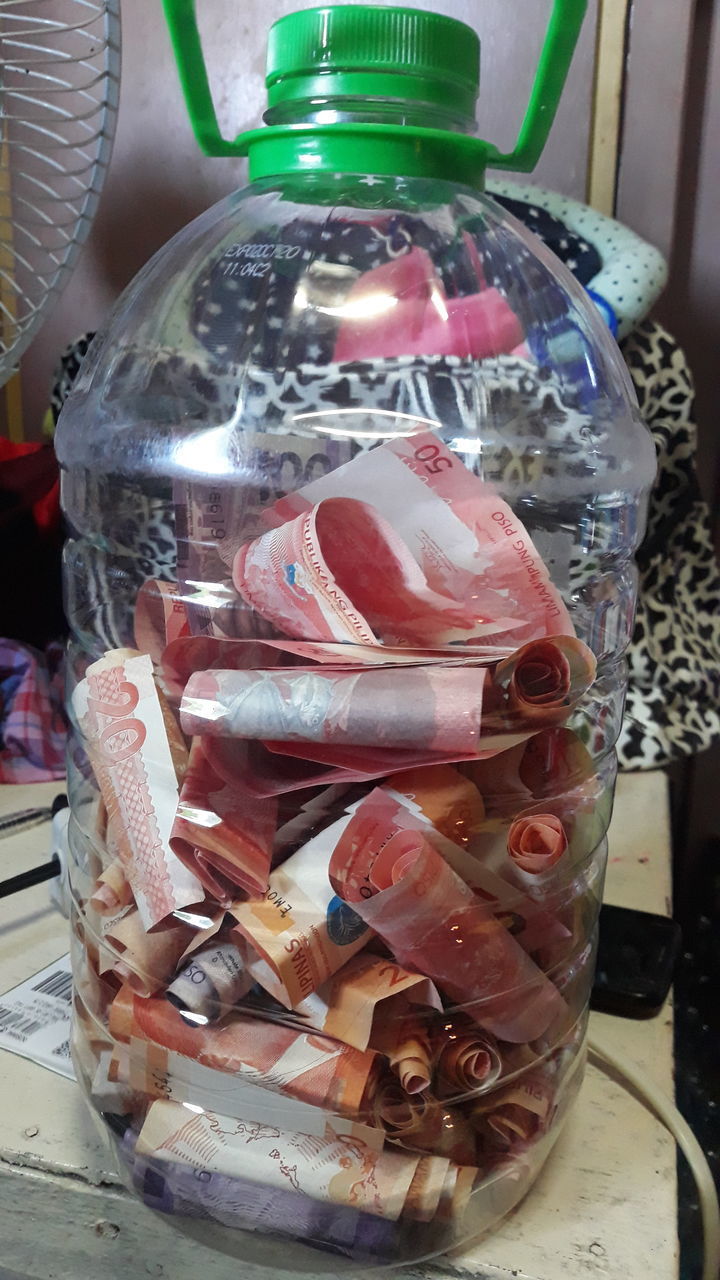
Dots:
pixel 605 1204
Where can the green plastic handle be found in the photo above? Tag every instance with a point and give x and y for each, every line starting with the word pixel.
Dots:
pixel 560 39
pixel 187 47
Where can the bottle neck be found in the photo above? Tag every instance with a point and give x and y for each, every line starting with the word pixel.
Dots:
pixel 354 110
pixel 362 134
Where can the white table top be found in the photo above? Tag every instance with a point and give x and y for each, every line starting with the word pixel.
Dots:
pixel 604 1206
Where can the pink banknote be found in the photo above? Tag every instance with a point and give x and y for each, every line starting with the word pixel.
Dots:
pixel 340 572
pixel 536 843
pixel 187 655
pixel 545 678
pixel 421 318
pixel 161 617
pixel 222 832
pixel 434 708
pixel 398 882
pixel 120 712
pixel 448 526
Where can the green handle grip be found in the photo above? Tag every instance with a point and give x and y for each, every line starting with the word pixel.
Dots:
pixel 187 47
pixel 561 36
pixel 560 39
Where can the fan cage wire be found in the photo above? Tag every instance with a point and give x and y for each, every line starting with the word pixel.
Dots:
pixel 59 90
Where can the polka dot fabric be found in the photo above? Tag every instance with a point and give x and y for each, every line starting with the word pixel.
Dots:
pixel 632 273
pixel 579 256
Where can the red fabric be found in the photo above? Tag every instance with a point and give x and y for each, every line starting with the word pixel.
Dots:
pixel 30 471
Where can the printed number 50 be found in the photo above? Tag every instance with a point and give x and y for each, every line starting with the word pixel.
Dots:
pixel 432 459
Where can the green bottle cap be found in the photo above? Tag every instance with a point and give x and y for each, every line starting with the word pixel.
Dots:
pixel 372 51
pixel 380 52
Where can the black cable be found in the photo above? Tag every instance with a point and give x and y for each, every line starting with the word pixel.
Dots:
pixel 10 824
pixel 36 875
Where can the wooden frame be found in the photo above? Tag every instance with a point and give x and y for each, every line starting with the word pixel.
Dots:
pixel 604 142
pixel 641 69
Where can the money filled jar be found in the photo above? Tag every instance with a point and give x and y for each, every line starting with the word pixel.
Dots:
pixel 353 481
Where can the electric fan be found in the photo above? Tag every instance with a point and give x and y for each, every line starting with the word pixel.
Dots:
pixel 59 81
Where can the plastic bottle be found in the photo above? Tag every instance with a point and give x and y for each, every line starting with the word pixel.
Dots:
pixel 350 580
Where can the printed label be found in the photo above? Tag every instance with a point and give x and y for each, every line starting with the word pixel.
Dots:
pixel 35 1018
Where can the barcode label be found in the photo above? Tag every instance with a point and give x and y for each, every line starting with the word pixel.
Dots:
pixel 35 1018
pixel 14 1023
pixel 58 984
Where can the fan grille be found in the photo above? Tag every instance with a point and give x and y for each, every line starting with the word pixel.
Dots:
pixel 59 83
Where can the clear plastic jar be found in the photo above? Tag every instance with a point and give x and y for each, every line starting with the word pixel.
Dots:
pixel 354 481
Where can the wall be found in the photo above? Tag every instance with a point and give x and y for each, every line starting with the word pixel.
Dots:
pixel 691 309
pixel 691 305
pixel 158 179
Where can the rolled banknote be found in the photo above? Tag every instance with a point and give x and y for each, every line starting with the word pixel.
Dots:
pixel 160 617
pixel 401 886
pixel 304 1065
pixel 150 1070
pixel 435 708
pixel 554 762
pixel 335 1169
pixel 530 923
pixel 345 654
pixel 272 465
pixel 112 891
pixel 465 1059
pixel 204 512
pixel 300 929
pixel 208 986
pixel 188 1191
pixel 366 996
pixel 221 831
pixel 297 824
pixel 457 1188
pixel 403 1035
pixel 145 960
pixel 536 844
pixel 265 773
pixel 516 1114
pixel 450 802
pixel 108 1092
pixel 95 986
pixel 306 578
pixel 341 762
pixel 213 518
pixel 434 1193
pixel 422 1123
pixel 551 772
pixel 183 657
pixel 279 768
pixel 126 728
pixel 466 542
pixel 544 679
pixel 188 654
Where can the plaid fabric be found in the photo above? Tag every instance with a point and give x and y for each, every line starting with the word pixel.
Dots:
pixel 32 720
